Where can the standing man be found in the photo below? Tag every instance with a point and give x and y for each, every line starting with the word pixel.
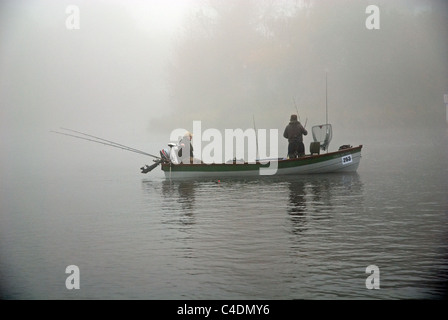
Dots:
pixel 293 132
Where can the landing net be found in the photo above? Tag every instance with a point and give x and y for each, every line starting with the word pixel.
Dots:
pixel 322 134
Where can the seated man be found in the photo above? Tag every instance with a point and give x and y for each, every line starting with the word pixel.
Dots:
pixel 185 152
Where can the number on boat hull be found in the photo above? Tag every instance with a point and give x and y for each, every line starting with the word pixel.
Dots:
pixel 347 159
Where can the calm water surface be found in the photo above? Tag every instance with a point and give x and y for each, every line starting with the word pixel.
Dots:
pixel 307 237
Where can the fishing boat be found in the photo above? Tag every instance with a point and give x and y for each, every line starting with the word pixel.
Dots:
pixel 345 159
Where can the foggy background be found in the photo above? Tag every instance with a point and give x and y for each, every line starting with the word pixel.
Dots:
pixel 136 70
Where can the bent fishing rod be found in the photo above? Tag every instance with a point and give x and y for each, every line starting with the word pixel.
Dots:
pixel 297 109
pixel 102 141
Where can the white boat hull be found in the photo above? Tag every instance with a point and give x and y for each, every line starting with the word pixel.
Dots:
pixel 340 161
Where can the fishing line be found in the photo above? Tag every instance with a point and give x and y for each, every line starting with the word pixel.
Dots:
pixel 107 142
pixel 111 142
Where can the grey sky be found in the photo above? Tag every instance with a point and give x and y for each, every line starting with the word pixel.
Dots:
pixel 109 73
pixel 113 76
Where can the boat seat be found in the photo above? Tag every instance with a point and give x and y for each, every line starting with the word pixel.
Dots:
pixel 315 147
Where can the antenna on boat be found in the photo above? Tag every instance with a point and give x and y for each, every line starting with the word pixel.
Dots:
pixel 322 134
pixel 256 138
pixel 326 98
pixel 326 101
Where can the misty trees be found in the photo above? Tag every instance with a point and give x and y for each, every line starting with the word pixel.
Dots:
pixel 211 70
pixel 238 58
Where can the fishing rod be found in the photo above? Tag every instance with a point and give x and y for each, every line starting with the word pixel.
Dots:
pixel 108 141
pixel 104 142
pixel 295 105
pixel 297 109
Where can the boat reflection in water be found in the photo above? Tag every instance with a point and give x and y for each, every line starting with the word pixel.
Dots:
pixel 183 192
pixel 304 198
pixel 267 237
pixel 317 197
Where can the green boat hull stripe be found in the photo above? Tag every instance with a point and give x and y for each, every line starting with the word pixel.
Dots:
pixel 282 164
